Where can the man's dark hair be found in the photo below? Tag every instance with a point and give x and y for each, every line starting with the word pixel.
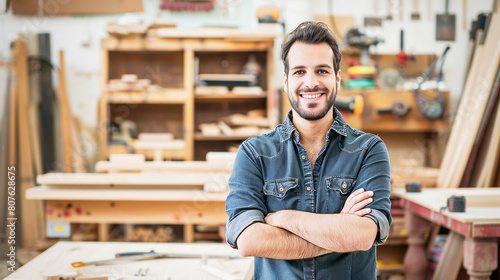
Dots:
pixel 311 32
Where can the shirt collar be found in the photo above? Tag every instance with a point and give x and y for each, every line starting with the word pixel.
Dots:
pixel 339 125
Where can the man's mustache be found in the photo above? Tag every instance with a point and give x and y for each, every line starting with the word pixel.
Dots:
pixel 314 89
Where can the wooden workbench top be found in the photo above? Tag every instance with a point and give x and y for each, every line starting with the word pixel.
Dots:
pixel 482 204
pixel 57 259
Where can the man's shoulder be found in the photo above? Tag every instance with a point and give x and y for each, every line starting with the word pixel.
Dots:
pixel 356 139
pixel 266 144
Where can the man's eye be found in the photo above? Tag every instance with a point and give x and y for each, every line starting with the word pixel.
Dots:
pixel 299 72
pixel 322 72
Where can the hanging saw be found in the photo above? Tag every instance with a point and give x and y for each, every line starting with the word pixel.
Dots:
pixel 432 108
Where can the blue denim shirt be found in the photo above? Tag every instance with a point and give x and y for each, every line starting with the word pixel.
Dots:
pixel 273 172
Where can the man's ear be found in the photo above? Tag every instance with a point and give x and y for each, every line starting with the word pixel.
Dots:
pixel 339 78
pixel 285 82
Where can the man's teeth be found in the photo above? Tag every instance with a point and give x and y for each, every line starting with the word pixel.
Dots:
pixel 312 96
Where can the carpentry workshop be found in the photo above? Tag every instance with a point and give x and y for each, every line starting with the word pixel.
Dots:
pixel 250 139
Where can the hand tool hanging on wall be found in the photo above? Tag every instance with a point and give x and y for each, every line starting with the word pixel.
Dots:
pixel 403 56
pixel 445 25
pixel 432 108
pixel 389 10
pixel 351 104
pixel 415 15
pixel 398 109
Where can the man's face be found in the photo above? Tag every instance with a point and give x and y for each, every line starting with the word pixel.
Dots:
pixel 311 83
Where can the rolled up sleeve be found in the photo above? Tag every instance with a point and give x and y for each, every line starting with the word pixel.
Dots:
pixel 382 225
pixel 375 176
pixel 245 202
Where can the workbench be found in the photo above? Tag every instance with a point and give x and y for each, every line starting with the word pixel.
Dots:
pixel 477 230
pixel 56 261
pixel 109 205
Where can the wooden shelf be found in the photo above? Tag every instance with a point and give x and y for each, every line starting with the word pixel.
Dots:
pixel 171 63
pixel 228 97
pixel 201 137
pixel 169 96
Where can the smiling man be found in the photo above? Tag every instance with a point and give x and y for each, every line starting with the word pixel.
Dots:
pixel 310 199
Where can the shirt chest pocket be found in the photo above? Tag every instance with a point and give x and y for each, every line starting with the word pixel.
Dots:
pixel 338 189
pixel 281 194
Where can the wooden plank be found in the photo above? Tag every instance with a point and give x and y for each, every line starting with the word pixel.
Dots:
pixel 65 116
pixel 78 159
pixel 31 223
pixel 111 194
pixel 162 166
pixel 188 110
pixel 467 120
pixel 478 153
pixel 138 212
pixel 451 258
pixel 207 181
pixel 487 165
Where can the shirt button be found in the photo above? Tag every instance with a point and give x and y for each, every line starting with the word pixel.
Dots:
pixel 308 189
pixel 281 188
pixel 303 157
pixel 344 185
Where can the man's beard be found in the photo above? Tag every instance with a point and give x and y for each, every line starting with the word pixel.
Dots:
pixel 311 116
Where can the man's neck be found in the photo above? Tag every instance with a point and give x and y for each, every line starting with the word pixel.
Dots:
pixel 313 132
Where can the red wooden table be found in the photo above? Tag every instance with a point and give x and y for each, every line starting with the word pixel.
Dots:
pixel 479 226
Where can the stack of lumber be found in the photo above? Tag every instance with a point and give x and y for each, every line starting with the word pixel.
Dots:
pixel 472 154
pixel 142 233
pixel 253 123
pixel 129 82
pixel 162 144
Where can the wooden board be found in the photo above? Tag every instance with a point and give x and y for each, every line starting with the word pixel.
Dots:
pixel 30 212
pixel 451 259
pixel 65 115
pixel 45 193
pixel 476 161
pixel 162 166
pixel 466 124
pixel 487 163
pixel 57 259
pixel 208 181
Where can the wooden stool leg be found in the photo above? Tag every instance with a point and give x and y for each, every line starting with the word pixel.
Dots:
pixel 188 233
pixel 480 257
pixel 415 261
pixel 103 231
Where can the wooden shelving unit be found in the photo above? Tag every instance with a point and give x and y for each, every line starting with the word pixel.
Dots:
pixel 172 63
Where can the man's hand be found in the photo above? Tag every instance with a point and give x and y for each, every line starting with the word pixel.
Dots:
pixel 357 201
pixel 274 218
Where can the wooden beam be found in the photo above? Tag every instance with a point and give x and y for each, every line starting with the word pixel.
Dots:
pixel 65 115
pixel 31 224
pixel 451 258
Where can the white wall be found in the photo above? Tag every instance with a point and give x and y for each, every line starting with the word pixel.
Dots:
pixel 83 61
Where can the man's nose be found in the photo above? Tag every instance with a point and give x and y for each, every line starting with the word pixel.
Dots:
pixel 311 80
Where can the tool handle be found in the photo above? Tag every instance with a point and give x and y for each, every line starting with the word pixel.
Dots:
pixel 127 254
pixel 351 104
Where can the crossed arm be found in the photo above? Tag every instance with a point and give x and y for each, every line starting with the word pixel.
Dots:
pixel 291 234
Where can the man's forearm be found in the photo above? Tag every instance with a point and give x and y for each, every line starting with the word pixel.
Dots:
pixel 334 232
pixel 262 240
